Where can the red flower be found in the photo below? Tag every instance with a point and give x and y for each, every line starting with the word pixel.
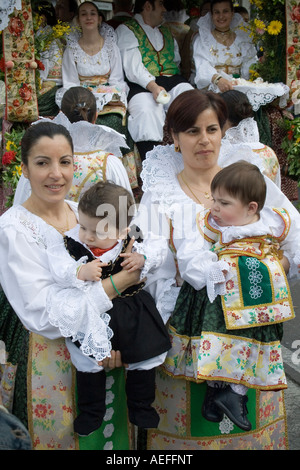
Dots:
pixel 25 92
pixel 40 64
pixel 290 134
pixel 291 50
pixel 16 26
pixel 8 157
pixel 295 15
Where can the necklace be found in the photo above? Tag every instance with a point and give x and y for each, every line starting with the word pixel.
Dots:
pixel 64 229
pixel 223 37
pixel 61 230
pixel 223 32
pixel 206 193
pixel 94 49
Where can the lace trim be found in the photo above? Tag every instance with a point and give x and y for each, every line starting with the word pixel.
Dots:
pixel 159 176
pixel 109 35
pixel 89 137
pixel 245 131
pixel 79 318
pixel 31 226
pixel 166 302
pixel 261 93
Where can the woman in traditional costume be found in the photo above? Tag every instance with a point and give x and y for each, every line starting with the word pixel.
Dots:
pixel 223 49
pixel 176 184
pixel 37 378
pixel 241 128
pixel 92 59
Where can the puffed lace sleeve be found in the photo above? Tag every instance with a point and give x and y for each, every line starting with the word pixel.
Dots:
pixel 199 266
pixel 43 306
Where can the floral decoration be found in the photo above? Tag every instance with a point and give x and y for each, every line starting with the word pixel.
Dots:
pixel 293 41
pixel 291 145
pixel 267 29
pixel 11 161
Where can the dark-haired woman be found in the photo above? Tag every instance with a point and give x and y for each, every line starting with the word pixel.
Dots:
pixel 38 369
pixel 222 50
pixel 176 183
pixel 92 59
pixel 241 128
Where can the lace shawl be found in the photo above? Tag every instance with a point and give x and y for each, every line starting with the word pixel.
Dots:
pixel 88 137
pixel 75 311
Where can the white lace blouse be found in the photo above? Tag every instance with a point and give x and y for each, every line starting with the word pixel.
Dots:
pixel 168 211
pixel 78 67
pixel 209 54
pixel 25 276
pixel 246 132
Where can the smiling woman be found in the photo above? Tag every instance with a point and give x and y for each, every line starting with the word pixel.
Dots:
pixel 222 49
pixel 50 170
pixel 27 326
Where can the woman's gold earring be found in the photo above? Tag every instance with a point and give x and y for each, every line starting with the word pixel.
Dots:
pixel 177 148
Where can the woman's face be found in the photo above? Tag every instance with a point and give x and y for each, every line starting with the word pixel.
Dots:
pixel 200 145
pixel 222 15
pixel 88 17
pixel 50 168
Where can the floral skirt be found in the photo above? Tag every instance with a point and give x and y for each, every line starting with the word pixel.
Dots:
pixel 182 427
pixel 203 349
pixel 37 382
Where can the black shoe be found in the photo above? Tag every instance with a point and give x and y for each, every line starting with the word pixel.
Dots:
pixel 91 393
pixel 140 390
pixel 209 409
pixel 234 406
pixel 145 417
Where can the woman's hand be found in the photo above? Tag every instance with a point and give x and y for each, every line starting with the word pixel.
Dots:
pixel 224 85
pixel 112 362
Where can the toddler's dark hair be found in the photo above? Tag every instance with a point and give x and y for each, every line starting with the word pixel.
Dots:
pixel 105 195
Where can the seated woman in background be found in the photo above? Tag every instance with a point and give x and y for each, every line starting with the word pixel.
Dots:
pixel 223 49
pixel 241 128
pixel 92 59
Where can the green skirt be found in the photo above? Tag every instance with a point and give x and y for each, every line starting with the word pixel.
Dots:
pixel 203 348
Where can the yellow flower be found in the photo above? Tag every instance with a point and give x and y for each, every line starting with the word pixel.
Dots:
pixel 10 145
pixel 274 27
pixel 257 3
pixel 259 24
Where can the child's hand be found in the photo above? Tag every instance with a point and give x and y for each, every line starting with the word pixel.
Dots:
pixel 133 261
pixel 91 271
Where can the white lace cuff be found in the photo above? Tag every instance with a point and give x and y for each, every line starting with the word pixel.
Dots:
pixel 216 279
pixel 81 315
pixel 155 253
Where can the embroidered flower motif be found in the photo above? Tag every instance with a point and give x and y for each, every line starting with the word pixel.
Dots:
pixel 274 356
pixel 255 292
